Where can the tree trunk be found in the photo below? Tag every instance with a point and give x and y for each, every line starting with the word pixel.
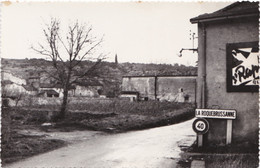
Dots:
pixel 65 95
pixel 64 104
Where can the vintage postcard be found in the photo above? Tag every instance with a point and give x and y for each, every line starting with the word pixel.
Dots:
pixel 132 84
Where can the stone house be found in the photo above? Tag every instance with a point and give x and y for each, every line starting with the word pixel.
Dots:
pixel 228 70
pixel 54 90
pixel 48 93
pixel 11 89
pixel 88 89
pixel 177 88
pixel 33 81
pixel 30 90
pixel 144 85
pixel 9 76
pixel 132 95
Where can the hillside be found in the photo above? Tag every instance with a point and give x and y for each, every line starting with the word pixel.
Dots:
pixel 109 74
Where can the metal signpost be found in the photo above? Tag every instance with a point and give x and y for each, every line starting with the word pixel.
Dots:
pixel 201 125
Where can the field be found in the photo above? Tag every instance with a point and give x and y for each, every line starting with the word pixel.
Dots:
pixel 111 116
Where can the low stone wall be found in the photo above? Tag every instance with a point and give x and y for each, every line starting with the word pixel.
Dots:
pixel 82 100
pixel 34 101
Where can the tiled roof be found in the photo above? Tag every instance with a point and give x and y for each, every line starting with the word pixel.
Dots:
pixel 29 88
pixel 50 92
pixel 235 10
pixel 34 77
pixel 6 82
pixel 130 92
pixel 88 83
pixel 48 85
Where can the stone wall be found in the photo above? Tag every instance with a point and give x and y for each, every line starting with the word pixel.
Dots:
pixel 169 88
pixel 36 101
pixel 143 85
pixel 162 87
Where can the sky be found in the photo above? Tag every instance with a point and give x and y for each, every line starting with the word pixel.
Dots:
pixel 138 32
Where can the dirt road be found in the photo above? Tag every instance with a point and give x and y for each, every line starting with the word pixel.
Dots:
pixel 152 148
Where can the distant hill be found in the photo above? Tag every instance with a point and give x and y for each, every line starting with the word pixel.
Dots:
pixel 110 74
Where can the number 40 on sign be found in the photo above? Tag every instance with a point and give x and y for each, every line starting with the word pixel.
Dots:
pixel 200 126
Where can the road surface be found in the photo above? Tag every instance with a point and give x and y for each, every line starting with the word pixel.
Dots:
pixel 152 148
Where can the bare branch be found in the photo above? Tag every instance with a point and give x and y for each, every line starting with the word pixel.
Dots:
pixel 89 50
pixel 63 44
pixel 42 52
pixel 51 75
pixel 81 43
pixel 90 70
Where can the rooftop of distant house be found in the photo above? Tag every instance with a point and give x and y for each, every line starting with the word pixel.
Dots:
pixel 149 76
pixel 6 82
pixel 29 88
pixel 89 83
pixel 50 85
pixel 34 77
pixel 130 92
pixel 236 10
pixel 49 92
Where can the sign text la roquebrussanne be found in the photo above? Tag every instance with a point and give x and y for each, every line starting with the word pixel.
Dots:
pixel 214 113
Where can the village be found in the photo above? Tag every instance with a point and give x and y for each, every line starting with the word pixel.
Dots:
pixel 104 112
pixel 143 87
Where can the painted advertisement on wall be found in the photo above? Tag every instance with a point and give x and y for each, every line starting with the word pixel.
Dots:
pixel 243 67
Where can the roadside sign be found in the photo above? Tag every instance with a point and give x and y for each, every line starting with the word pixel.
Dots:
pixel 200 126
pixel 216 113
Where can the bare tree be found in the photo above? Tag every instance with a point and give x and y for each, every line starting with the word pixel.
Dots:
pixel 66 55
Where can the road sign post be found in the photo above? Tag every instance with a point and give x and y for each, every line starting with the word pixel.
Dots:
pixel 200 140
pixel 229 132
pixel 201 114
pixel 200 126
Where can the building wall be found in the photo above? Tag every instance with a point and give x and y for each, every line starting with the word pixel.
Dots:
pixel 245 127
pixel 60 91
pixel 35 82
pixel 87 91
pixel 143 85
pixel 131 97
pixel 167 88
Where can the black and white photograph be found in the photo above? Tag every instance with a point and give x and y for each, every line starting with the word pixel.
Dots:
pixel 129 84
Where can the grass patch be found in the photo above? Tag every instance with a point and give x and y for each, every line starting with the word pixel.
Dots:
pixel 15 146
pixel 237 155
pixel 18 146
pixel 235 147
pixel 120 116
pixel 232 161
pixel 125 106
pixel 220 160
pixel 21 146
pixel 113 115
